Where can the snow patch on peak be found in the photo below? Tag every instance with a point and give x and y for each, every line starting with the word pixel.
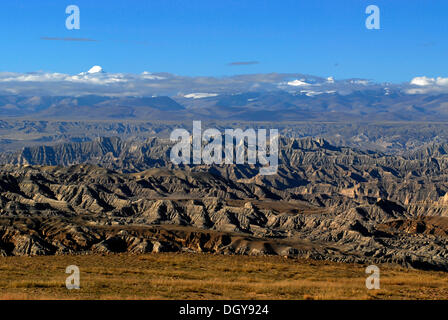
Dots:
pixel 200 95
pixel 297 83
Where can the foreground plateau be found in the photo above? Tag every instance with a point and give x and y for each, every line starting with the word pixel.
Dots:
pixel 206 276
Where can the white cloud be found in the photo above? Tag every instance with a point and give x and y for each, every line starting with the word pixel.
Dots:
pixel 442 81
pixel 425 81
pixel 18 77
pixel 428 85
pixel 149 76
pixel 95 69
pixel 94 76
pixel 422 81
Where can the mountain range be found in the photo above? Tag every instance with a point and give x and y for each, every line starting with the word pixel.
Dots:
pixel 99 95
pixel 249 106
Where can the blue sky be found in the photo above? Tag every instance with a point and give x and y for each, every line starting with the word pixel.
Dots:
pixel 201 37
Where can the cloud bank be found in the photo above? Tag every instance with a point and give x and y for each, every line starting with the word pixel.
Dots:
pixel 425 85
pixel 96 81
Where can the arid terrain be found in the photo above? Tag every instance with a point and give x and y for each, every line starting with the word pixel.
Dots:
pixel 111 204
pixel 325 202
pixel 224 150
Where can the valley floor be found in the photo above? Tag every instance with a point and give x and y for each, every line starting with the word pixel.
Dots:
pixel 208 276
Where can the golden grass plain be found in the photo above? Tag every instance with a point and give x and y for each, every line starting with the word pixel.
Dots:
pixel 207 276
